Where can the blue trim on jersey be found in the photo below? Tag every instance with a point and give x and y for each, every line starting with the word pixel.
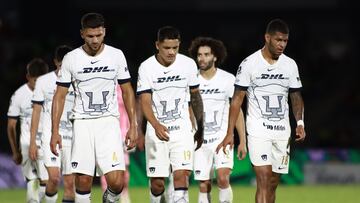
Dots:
pixel 124 81
pixel 238 87
pixel 144 91
pixel 194 86
pixel 294 89
pixel 63 84
pixel 14 117
pixel 37 102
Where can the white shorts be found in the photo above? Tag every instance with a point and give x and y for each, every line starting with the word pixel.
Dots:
pixel 63 161
pixel 97 143
pixel 33 169
pixel 270 152
pixel 206 159
pixel 177 152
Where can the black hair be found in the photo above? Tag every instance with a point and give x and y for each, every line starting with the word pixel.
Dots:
pixel 60 52
pixel 37 67
pixel 218 48
pixel 92 20
pixel 168 32
pixel 277 25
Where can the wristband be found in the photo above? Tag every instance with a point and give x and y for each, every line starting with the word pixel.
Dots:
pixel 300 122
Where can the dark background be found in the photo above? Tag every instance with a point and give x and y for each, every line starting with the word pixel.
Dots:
pixel 324 41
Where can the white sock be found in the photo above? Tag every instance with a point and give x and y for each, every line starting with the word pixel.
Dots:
pixel 204 197
pixel 42 189
pixel 157 198
pixel 110 197
pixel 51 198
pixel 83 197
pixel 124 197
pixel 225 195
pixel 32 192
pixel 181 195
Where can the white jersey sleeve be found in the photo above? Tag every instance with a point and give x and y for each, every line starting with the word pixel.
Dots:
pixel 123 74
pixel 295 81
pixel 194 79
pixel 243 75
pixel 143 82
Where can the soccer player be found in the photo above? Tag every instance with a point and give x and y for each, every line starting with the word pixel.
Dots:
pixel 42 101
pixel 21 109
pixel 164 83
pixel 267 78
pixel 216 88
pixel 124 126
pixel 94 70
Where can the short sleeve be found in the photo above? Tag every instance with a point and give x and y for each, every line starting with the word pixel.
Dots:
pixel 38 96
pixel 231 87
pixel 295 82
pixel 143 82
pixel 14 107
pixel 243 75
pixel 123 73
pixel 193 78
pixel 64 75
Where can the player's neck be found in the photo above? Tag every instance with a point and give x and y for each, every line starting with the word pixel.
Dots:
pixel 209 73
pixel 268 56
pixel 92 52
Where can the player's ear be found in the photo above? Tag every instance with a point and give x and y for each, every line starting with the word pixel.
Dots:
pixel 157 45
pixel 267 38
pixel 82 33
pixel 215 58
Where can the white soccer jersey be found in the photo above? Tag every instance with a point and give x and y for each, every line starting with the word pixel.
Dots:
pixel 215 94
pixel 268 87
pixel 94 79
pixel 43 94
pixel 21 107
pixel 170 89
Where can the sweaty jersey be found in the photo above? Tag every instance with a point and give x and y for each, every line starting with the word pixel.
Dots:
pixel 169 87
pixel 94 79
pixel 216 94
pixel 268 87
pixel 43 94
pixel 21 107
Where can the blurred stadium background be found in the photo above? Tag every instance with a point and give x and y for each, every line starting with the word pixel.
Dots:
pixel 324 40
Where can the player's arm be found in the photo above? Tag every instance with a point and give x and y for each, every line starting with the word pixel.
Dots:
pixel 297 104
pixel 56 112
pixel 160 130
pixel 235 107
pixel 129 102
pixel 240 127
pixel 198 110
pixel 11 131
pixel 140 128
pixel 35 118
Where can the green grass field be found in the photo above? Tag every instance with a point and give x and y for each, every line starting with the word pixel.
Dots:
pixel 285 194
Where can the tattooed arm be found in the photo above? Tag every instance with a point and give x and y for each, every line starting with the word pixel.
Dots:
pixel 198 109
pixel 298 110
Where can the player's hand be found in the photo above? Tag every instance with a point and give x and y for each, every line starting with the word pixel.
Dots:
pixel 17 157
pixel 241 151
pixel 161 132
pixel 54 142
pixel 33 151
pixel 131 137
pixel 199 138
pixel 300 133
pixel 228 140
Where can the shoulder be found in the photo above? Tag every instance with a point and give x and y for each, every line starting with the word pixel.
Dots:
pixel 288 61
pixel 113 50
pixel 45 77
pixel 184 59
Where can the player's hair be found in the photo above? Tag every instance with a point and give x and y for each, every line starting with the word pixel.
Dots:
pixel 168 32
pixel 92 20
pixel 277 25
pixel 217 48
pixel 37 67
pixel 60 52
